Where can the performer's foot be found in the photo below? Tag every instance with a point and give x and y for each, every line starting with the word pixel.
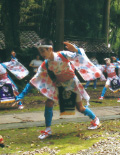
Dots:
pixel 20 107
pixel 101 98
pixel 95 124
pixel 45 134
pixel 118 100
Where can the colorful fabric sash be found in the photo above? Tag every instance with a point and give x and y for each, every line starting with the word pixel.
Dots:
pixel 6 93
pixel 115 85
pixel 67 99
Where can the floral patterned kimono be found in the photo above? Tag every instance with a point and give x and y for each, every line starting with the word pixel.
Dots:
pixel 111 73
pixel 64 73
pixel 15 68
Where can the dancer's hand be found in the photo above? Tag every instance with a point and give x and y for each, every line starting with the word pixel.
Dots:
pixel 114 58
pixel 15 103
pixel 70 47
pixel 13 54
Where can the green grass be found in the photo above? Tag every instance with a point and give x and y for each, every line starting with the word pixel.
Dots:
pixel 70 137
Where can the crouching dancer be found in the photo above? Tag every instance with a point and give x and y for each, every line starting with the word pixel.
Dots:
pixel 65 76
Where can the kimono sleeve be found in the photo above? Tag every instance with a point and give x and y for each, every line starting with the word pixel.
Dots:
pixel 16 68
pixel 43 83
pixel 102 67
pixel 85 67
pixel 117 64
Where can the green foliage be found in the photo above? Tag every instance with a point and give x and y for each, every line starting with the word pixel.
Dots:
pixel 40 14
pixel 83 18
pixel 114 36
pixel 30 12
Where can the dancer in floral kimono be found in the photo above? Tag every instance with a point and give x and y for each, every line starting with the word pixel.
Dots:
pixel 8 89
pixel 109 68
pixel 60 64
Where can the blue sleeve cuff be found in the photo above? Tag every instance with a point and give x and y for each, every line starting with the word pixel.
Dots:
pixel 79 52
pixel 13 57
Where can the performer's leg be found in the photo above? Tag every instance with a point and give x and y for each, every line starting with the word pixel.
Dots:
pixel 103 92
pixel 87 84
pixel 48 119
pixel 95 82
pixel 25 91
pixel 48 112
pixel 86 111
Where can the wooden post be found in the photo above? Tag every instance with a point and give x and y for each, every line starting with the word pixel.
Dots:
pixel 59 25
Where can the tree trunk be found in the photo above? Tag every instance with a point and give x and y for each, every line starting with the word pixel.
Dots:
pixel 59 25
pixel 106 17
pixel 10 16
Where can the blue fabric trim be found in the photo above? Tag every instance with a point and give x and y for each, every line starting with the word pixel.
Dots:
pixel 13 56
pixel 79 51
pixel 103 91
pixel 63 54
pixel 48 116
pixel 89 113
pixel 8 75
pixel 12 81
pixel 117 66
pixel 25 91
pixel 117 59
pixel 46 64
pixel 20 103
pixel 3 65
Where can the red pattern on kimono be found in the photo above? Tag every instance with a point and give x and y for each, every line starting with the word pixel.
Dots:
pixel 65 74
pixel 14 67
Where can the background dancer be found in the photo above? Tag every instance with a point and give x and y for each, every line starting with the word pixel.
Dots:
pixel 19 71
pixel 109 68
